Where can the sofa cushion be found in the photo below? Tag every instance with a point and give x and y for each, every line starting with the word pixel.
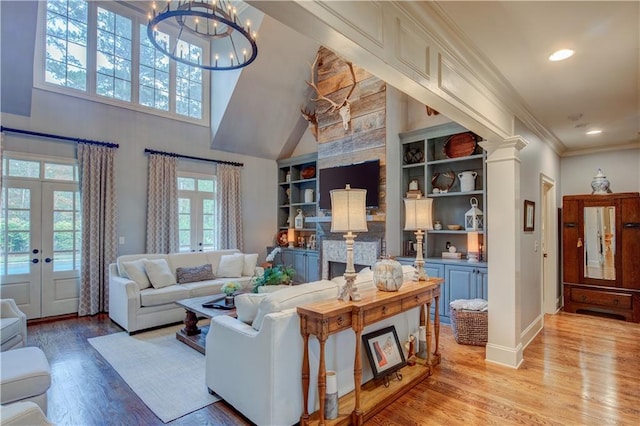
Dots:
pixel 250 262
pixel 247 305
pixel 204 288
pixel 214 256
pixel 136 271
pixel 295 296
pixel 187 260
pixel 164 295
pixel 231 266
pixel 194 273
pixel 159 273
pixel 9 327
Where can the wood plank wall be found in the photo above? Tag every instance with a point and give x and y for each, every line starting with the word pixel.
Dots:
pixel 365 138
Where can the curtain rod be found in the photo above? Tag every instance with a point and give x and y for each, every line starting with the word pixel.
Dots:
pixel 65 138
pixel 173 154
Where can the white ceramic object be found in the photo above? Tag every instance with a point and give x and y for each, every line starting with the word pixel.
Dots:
pixel 467 181
pixel 600 184
pixel 308 195
pixel 387 275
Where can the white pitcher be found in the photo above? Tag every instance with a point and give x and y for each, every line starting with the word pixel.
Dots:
pixel 308 195
pixel 467 181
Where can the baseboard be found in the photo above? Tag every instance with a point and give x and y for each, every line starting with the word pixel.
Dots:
pixel 502 355
pixel 532 331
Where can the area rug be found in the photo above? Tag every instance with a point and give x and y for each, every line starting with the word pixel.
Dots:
pixel 165 373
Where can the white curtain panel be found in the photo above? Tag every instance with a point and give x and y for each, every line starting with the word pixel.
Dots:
pixel 229 205
pixel 162 204
pixel 97 191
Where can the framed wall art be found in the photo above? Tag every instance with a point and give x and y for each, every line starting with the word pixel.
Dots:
pixel 529 215
pixel 384 351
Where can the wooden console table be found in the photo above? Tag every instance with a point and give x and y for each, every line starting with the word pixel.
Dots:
pixel 322 319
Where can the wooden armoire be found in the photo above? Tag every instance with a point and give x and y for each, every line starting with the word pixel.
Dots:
pixel 601 254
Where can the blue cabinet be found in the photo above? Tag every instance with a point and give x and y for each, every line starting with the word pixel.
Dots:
pixel 463 282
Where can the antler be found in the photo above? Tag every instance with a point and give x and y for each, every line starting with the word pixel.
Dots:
pixel 334 105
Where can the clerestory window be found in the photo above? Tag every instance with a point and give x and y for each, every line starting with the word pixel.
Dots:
pixel 100 50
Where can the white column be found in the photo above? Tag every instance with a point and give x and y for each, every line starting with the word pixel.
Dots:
pixel 504 221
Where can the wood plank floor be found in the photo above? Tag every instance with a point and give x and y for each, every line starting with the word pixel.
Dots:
pixel 580 370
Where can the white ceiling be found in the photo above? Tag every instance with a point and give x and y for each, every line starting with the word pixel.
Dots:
pixel 599 87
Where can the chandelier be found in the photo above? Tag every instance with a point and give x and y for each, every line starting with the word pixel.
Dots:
pixel 232 45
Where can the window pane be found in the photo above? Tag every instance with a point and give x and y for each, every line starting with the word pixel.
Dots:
pixel 56 72
pixel 56 49
pixel 188 184
pixel 77 55
pixel 76 78
pixel 18 220
pixel 78 10
pixel 105 63
pixel 63 261
pixel 184 221
pixel 184 205
pixel 182 105
pixel 66 41
pixel 18 242
pixel 77 32
pixel 59 171
pixel 205 185
pixel 18 264
pixel 185 238
pixel 106 20
pixel 62 241
pixel 106 41
pixel 24 168
pixel 19 198
pixel 62 221
pixel 63 200
pixel 146 96
pixel 122 90
pixel 113 56
pixel 162 100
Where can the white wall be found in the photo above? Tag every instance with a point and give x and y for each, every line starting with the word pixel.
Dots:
pixel 622 169
pixel 536 158
pixel 135 131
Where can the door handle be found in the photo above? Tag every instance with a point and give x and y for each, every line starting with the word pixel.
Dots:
pixel 35 261
pixel 544 254
pixel 35 251
pixel 47 260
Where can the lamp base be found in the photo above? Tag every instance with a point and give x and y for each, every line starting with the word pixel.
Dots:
pixel 472 258
pixel 349 291
pixel 420 274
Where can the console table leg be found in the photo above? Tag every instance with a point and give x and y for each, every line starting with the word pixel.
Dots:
pixel 428 332
pixel 190 321
pixel 436 327
pixel 322 381
pixel 304 420
pixel 357 379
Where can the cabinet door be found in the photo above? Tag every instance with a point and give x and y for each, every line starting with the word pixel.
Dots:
pixel 571 241
pixel 630 235
pixel 300 265
pixel 434 270
pixel 313 267
pixel 288 258
pixel 437 270
pixel 460 282
pixel 482 283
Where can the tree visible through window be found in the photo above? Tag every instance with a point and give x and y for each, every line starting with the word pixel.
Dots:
pixel 113 56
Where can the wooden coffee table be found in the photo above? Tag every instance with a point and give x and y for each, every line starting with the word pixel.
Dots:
pixel 191 334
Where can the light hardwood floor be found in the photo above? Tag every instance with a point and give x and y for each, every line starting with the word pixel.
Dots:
pixel 579 370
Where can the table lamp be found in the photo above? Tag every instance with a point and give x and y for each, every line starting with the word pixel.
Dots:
pixel 291 237
pixel 473 247
pixel 418 218
pixel 348 214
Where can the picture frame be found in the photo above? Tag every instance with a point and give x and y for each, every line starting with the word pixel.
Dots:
pixel 529 215
pixel 384 351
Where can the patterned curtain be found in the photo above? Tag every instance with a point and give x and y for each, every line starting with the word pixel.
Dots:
pixel 229 205
pixel 97 192
pixel 162 204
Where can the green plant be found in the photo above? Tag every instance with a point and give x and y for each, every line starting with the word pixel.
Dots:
pixel 230 288
pixel 276 275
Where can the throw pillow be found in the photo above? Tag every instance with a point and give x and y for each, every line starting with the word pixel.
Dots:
pixel 250 262
pixel 294 296
pixel 231 266
pixel 159 273
pixel 247 306
pixel 194 273
pixel 135 270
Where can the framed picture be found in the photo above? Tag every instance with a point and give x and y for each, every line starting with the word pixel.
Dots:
pixel 529 215
pixel 384 351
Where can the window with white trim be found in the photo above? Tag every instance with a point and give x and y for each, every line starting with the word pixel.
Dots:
pixel 197 213
pixel 100 51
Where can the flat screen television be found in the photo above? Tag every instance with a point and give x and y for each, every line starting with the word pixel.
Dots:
pixel 364 175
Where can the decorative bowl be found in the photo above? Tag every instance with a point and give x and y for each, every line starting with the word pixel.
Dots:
pixel 454 227
pixel 308 172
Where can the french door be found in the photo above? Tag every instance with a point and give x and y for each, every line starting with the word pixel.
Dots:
pixel 40 242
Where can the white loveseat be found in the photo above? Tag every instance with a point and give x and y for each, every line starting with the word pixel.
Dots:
pixel 143 288
pixel 256 365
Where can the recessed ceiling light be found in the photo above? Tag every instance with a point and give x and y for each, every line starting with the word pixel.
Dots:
pixel 561 55
pixel 594 132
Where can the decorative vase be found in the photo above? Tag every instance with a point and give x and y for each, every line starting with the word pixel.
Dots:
pixel 387 275
pixel 308 195
pixel 600 184
pixel 331 396
pixel 467 181
pixel 229 300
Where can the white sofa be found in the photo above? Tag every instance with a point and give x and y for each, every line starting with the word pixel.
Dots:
pixel 256 365
pixel 142 291
pixel 13 325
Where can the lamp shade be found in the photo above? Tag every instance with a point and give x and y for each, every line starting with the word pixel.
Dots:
pixel 348 211
pixel 472 242
pixel 291 235
pixel 418 214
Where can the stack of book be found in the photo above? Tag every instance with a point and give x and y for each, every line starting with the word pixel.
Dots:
pixel 449 255
pixel 414 193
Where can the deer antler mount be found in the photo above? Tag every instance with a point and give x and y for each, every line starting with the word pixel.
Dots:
pixel 343 107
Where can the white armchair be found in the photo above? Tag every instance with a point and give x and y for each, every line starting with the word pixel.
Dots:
pixel 23 413
pixel 13 325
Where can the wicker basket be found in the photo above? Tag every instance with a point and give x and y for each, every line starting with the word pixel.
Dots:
pixel 469 327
